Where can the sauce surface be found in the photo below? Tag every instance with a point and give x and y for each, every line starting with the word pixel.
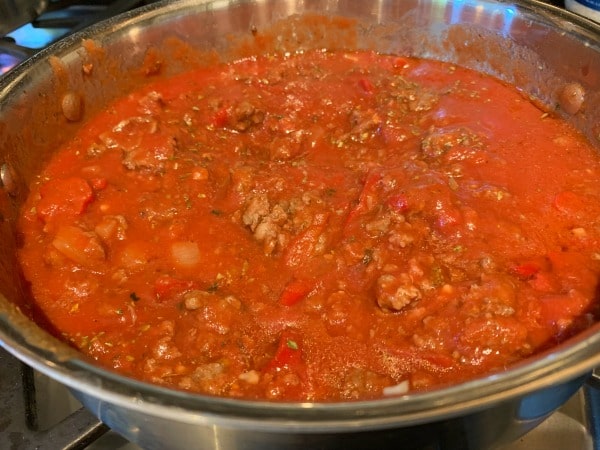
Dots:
pixel 323 226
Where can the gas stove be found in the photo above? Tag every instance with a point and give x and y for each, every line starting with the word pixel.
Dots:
pixel 39 413
pixel 27 26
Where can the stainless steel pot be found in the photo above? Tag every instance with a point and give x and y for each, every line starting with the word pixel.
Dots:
pixel 539 48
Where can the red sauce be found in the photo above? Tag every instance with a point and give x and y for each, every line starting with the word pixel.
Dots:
pixel 324 226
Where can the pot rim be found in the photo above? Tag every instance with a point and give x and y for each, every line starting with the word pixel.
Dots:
pixel 547 370
pixel 565 362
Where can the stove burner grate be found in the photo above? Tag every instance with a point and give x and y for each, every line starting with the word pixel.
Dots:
pixel 59 19
pixel 20 427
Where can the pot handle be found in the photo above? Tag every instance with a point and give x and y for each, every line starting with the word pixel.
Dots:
pixel 594 379
pixel 591 393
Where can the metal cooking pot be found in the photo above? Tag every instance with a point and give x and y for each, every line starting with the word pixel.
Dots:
pixel 539 48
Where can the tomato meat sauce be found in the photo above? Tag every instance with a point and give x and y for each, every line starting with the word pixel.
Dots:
pixel 321 226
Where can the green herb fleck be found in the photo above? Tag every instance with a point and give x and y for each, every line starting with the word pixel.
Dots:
pixel 133 296
pixel 292 344
pixel 213 287
pixel 216 212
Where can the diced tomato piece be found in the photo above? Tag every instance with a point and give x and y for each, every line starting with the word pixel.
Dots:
pixel 221 117
pixel 526 270
pixel 568 202
pixel 398 203
pixel 98 183
pixel 64 198
pixel 167 287
pixel 295 291
pixel 447 216
pixel 559 309
pixel 366 85
pixel 544 281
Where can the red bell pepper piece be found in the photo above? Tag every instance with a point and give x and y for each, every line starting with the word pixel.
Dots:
pixel 288 354
pixel 295 291
pixel 368 194
pixel 303 245
pixel 167 287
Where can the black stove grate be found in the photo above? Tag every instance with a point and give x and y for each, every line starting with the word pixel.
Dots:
pixel 77 14
pixel 59 19
pixel 20 427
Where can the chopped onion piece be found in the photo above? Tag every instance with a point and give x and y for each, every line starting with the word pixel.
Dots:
pixel 251 377
pixel 397 389
pixel 78 245
pixel 185 253
pixel 134 255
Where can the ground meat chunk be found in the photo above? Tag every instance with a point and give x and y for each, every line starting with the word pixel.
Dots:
pixel 209 377
pixel 244 116
pixel 284 148
pixel 144 147
pixel 150 155
pixel 422 100
pixel 265 222
pixel 452 143
pixel 394 293
pixel 111 227
pixel 151 103
pixel 357 382
pixel 164 348
pixel 256 208
pixel 196 299
pixel 364 123
pixel 214 312
pixel 208 372
pixel 494 295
